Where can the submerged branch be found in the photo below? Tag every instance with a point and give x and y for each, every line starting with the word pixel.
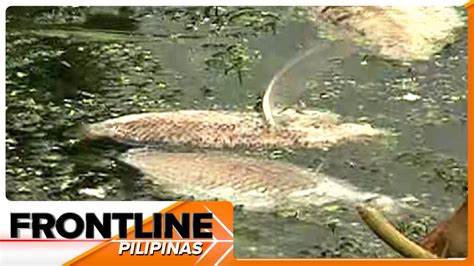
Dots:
pixel 387 232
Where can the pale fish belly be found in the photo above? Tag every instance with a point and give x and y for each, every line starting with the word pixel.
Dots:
pixel 225 129
pixel 256 184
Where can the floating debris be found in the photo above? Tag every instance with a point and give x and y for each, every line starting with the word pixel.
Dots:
pixel 256 184
pixel 395 33
pixel 409 97
pixel 225 129
pixel 94 192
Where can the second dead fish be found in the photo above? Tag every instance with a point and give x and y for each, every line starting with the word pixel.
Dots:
pixel 256 184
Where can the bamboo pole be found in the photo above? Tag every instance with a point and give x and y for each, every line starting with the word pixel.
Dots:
pixel 390 235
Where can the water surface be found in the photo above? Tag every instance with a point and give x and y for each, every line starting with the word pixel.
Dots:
pixel 70 66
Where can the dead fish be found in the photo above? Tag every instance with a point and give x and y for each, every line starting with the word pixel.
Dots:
pixel 395 33
pixel 226 129
pixel 255 184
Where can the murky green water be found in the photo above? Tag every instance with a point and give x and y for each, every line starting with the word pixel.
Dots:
pixel 66 67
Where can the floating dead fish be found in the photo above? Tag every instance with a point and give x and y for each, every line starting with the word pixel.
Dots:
pixel 226 129
pixel 256 184
pixel 396 33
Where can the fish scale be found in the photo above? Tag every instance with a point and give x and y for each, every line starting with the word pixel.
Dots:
pixel 257 184
pixel 225 129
